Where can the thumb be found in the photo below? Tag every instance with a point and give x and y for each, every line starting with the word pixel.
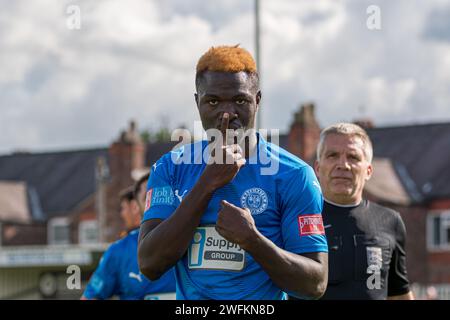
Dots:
pixel 225 203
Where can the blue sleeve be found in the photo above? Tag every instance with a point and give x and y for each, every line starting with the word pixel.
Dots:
pixel 160 198
pixel 302 203
pixel 103 282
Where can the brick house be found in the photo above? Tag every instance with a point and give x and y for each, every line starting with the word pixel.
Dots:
pixel 70 198
pixel 62 208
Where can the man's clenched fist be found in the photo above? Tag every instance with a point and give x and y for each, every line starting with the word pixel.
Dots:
pixel 236 224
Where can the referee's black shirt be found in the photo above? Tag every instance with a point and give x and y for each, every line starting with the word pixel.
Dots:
pixel 359 237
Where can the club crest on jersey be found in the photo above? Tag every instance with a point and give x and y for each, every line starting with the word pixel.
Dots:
pixel 255 199
pixel 311 224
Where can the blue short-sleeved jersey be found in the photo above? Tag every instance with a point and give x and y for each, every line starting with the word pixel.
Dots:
pixel 118 274
pixel 286 206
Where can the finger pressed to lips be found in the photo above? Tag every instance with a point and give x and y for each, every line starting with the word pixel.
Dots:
pixel 232 158
pixel 233 148
pixel 224 126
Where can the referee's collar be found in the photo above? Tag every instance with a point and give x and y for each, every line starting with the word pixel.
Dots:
pixel 343 205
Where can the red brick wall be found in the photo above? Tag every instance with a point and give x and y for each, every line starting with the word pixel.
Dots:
pixel 30 234
pixel 304 134
pixel 439 262
pixel 416 245
pixel 442 204
pixel 120 162
pixel 88 213
pixel 294 140
pixel 439 270
pixel 124 157
pixel 423 266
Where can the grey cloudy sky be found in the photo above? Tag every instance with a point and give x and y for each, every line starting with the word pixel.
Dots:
pixel 135 59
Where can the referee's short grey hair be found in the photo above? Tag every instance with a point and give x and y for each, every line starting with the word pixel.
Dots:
pixel 348 129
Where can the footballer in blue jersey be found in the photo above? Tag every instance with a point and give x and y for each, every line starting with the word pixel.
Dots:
pixel 118 271
pixel 249 228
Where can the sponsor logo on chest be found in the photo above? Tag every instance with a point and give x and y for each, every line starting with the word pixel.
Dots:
pixel 209 250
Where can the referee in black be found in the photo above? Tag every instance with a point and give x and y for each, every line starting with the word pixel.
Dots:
pixel 366 241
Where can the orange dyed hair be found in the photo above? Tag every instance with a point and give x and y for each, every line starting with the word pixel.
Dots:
pixel 226 59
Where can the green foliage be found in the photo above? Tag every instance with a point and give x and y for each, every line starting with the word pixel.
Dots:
pixel 163 134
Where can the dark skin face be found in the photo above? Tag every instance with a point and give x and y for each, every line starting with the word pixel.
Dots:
pixel 232 93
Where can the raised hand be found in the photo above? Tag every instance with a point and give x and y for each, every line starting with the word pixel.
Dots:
pixel 227 163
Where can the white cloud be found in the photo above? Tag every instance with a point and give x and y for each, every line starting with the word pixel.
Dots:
pixel 62 88
pixel 389 97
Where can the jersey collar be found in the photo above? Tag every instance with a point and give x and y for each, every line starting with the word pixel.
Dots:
pixel 342 205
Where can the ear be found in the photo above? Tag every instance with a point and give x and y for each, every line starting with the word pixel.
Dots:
pixel 258 98
pixel 369 171
pixel 135 206
pixel 316 167
pixel 196 99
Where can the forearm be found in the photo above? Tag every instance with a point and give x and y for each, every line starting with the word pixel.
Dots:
pixel 289 271
pixel 163 246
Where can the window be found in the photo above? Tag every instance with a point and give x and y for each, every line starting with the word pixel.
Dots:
pixel 59 231
pixel 88 232
pixel 439 231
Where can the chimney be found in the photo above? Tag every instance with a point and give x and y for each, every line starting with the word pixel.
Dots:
pixel 126 155
pixel 304 133
pixel 101 177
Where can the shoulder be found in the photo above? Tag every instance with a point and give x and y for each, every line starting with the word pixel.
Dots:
pixel 185 153
pixel 191 153
pixel 122 245
pixel 382 210
pixel 127 241
pixel 387 216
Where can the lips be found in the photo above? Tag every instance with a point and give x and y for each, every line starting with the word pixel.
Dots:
pixel 234 125
pixel 341 178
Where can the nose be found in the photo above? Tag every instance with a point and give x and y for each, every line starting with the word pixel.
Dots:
pixel 343 163
pixel 230 108
pixel 231 117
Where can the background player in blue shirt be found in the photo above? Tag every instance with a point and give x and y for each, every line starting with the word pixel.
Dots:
pixel 118 272
pixel 231 231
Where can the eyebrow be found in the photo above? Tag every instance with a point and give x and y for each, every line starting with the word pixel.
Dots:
pixel 210 96
pixel 356 154
pixel 351 152
pixel 242 95
pixel 214 96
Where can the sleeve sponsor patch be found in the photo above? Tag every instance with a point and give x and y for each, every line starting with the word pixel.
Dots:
pixel 310 224
pixel 159 196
